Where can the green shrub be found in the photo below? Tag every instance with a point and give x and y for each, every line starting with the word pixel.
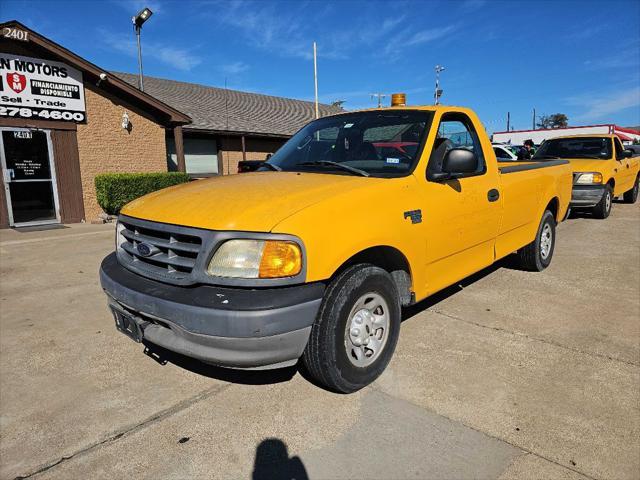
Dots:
pixel 114 190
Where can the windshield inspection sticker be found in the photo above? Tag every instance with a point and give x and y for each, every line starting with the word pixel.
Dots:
pixel 393 160
pixel 348 125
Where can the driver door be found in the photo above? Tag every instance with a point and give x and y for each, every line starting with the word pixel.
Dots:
pixel 462 215
pixel 625 178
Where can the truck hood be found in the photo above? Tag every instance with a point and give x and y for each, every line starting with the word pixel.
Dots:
pixel 587 164
pixel 246 202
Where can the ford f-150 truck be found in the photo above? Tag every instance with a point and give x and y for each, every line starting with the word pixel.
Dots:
pixel 602 170
pixel 314 255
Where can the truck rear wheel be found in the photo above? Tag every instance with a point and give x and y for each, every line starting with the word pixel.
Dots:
pixel 356 331
pixel 537 255
pixel 603 208
pixel 632 195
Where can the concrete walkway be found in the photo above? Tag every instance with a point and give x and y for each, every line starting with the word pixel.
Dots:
pixel 511 375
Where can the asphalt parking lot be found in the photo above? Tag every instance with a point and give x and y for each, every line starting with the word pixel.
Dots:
pixel 511 375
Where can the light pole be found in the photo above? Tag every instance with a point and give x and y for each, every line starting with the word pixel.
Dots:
pixel 438 93
pixel 142 16
pixel 315 77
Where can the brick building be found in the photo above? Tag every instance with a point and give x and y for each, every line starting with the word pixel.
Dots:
pixel 227 125
pixel 63 120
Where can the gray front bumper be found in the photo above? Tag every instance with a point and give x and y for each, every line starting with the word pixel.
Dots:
pixel 186 320
pixel 586 195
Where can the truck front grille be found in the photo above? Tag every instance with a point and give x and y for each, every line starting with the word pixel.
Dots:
pixel 158 250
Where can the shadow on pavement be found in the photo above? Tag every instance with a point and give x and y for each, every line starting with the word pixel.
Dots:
pixel 577 213
pixel 272 462
pixel 246 377
pixel 413 310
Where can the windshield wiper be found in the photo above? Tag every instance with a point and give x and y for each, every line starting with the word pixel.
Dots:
pixel 272 166
pixel 357 171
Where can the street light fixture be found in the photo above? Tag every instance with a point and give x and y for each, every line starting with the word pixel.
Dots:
pixel 438 93
pixel 142 16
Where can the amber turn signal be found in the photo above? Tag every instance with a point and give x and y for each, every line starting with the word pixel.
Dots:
pixel 280 259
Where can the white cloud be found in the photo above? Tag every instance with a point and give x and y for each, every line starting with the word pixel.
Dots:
pixel 472 5
pixel 585 32
pixel 234 68
pixel 410 39
pixel 264 28
pixel 605 106
pixel 291 32
pixel 622 59
pixel 178 58
pixel 625 55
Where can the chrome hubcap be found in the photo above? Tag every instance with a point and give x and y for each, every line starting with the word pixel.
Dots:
pixel 607 201
pixel 546 240
pixel 367 329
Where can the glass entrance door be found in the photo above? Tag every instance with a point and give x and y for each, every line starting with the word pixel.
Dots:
pixel 29 177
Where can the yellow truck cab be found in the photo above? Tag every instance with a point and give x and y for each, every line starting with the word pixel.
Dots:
pixel 602 170
pixel 313 255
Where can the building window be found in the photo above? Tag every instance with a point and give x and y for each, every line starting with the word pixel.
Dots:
pixel 200 155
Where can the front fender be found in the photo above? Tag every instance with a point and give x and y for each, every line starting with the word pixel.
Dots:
pixel 344 225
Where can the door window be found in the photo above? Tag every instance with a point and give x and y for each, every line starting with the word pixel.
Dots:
pixel 619 149
pixel 455 131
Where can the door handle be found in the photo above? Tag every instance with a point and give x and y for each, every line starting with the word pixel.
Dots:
pixel 493 195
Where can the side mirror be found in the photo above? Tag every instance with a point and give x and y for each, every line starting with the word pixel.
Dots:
pixel 457 162
pixel 627 153
pixel 460 161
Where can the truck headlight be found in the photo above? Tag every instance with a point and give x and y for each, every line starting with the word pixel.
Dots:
pixel 246 258
pixel 589 178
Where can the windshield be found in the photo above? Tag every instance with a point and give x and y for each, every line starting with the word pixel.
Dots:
pixel 583 147
pixel 376 143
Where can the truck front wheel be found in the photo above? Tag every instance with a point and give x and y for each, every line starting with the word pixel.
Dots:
pixel 356 331
pixel 603 208
pixel 537 255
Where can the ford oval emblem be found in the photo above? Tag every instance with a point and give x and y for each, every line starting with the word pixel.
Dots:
pixel 144 249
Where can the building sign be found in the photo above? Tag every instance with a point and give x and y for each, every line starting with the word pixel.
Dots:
pixel 13 33
pixel 40 89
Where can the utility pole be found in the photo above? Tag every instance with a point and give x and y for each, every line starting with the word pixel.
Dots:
pixel 438 93
pixel 508 120
pixel 534 119
pixel 379 96
pixel 315 76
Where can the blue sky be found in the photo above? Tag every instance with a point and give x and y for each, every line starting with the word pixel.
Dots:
pixel 581 58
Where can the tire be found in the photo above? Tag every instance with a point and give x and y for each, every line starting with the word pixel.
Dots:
pixel 537 256
pixel 632 195
pixel 603 208
pixel 331 355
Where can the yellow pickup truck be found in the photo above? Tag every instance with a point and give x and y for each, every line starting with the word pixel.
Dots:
pixel 602 170
pixel 313 255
